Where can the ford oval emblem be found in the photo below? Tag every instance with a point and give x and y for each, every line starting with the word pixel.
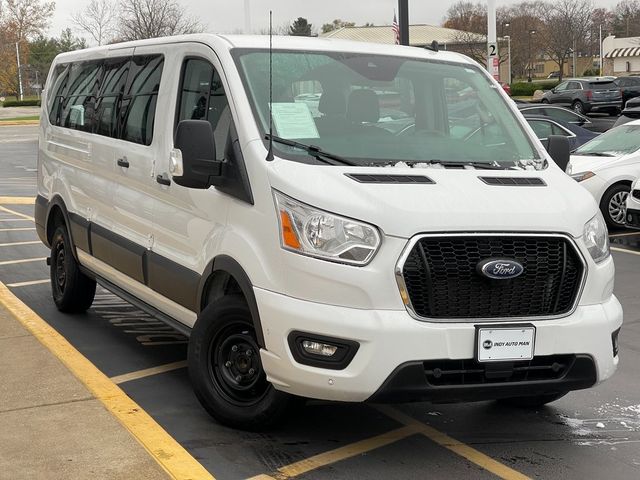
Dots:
pixel 500 268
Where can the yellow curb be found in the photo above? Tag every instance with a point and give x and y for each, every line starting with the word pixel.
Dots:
pixel 163 448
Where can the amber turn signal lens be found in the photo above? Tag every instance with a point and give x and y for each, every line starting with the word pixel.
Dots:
pixel 288 233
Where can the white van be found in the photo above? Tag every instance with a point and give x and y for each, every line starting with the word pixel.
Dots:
pixel 402 235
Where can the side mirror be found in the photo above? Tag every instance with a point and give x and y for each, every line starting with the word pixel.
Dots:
pixel 195 140
pixel 560 150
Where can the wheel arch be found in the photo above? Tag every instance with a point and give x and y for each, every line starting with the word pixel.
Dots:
pixel 56 212
pixel 223 276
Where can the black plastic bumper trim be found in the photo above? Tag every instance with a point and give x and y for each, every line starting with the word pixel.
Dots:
pixel 408 383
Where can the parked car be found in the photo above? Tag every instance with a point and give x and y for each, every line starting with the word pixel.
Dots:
pixel 561 114
pixel 628 115
pixel 586 95
pixel 310 252
pixel 632 210
pixel 555 74
pixel 506 87
pixel 606 166
pixel 544 127
pixel 629 87
pixel 633 103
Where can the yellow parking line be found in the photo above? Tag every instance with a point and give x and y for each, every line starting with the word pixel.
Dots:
pixel 17 200
pixel 147 372
pixel 16 229
pixel 169 454
pixel 617 249
pixel 342 453
pixel 454 445
pixel 27 284
pixel 625 234
pixel 13 212
pixel 15 220
pixel 23 260
pixel 15 244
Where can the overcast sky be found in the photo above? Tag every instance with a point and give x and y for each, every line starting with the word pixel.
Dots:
pixel 228 15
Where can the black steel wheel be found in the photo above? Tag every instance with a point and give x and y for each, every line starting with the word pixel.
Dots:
pixel 72 290
pixel 226 371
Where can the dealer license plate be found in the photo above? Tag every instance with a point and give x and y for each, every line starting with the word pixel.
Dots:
pixel 505 343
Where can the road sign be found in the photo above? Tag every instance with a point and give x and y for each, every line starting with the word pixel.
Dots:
pixel 492 49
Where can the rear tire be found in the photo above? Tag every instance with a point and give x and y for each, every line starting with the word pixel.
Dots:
pixel 613 205
pixel 72 290
pixel 226 371
pixel 533 401
pixel 545 101
pixel 578 107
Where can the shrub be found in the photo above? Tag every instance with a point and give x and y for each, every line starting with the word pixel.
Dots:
pixel 24 103
pixel 526 89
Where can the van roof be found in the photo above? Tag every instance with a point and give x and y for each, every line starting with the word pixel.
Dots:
pixel 279 42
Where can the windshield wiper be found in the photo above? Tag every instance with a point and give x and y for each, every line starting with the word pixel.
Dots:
pixel 596 154
pixel 314 151
pixel 449 164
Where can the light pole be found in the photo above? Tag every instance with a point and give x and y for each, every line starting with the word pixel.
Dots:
pixel 531 33
pixel 508 37
pixel 19 70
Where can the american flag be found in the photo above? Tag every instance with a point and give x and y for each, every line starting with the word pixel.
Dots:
pixel 396 29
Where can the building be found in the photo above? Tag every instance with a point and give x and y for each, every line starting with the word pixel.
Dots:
pixel 621 56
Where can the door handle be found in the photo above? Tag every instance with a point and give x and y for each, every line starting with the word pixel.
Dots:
pixel 123 162
pixel 162 180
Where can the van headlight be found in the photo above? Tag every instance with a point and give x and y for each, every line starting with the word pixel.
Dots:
pixel 596 238
pixel 316 233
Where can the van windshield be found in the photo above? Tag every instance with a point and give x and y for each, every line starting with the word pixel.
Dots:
pixel 382 110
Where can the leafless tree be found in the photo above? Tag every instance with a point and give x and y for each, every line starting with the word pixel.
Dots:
pixel 565 27
pixel 98 19
pixel 154 18
pixel 26 18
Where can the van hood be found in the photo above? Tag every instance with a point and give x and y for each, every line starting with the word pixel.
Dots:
pixel 457 200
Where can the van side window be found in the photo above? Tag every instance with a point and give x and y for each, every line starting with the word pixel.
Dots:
pixel 202 97
pixel 55 97
pixel 112 88
pixel 78 111
pixel 139 104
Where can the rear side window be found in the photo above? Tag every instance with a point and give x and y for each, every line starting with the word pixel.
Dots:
pixel 78 111
pixel 541 128
pixel 138 107
pixel 202 97
pixel 55 96
pixel 111 91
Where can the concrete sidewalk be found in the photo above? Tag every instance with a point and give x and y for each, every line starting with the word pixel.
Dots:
pixel 51 426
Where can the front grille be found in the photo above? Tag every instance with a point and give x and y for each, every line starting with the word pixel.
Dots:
pixel 441 373
pixel 442 280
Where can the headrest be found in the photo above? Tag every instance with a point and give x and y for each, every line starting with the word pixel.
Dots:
pixel 332 102
pixel 363 106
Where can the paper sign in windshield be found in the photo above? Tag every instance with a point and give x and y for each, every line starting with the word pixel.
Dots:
pixel 293 120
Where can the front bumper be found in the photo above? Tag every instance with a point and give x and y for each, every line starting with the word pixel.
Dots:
pixel 632 219
pixel 389 339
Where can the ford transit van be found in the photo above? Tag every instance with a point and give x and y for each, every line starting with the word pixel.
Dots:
pixel 325 219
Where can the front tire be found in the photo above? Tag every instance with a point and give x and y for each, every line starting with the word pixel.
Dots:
pixel 226 371
pixel 613 205
pixel 533 401
pixel 545 101
pixel 72 290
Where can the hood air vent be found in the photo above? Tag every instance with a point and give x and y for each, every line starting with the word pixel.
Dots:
pixel 382 178
pixel 514 181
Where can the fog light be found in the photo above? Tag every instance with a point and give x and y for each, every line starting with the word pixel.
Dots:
pixel 629 217
pixel 614 342
pixel 317 348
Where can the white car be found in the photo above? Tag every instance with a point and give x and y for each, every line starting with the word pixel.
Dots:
pixel 606 166
pixel 632 210
pixel 335 252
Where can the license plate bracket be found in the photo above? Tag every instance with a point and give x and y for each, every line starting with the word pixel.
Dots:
pixel 505 343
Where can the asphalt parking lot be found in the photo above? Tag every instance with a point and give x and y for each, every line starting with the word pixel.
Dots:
pixel 587 434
